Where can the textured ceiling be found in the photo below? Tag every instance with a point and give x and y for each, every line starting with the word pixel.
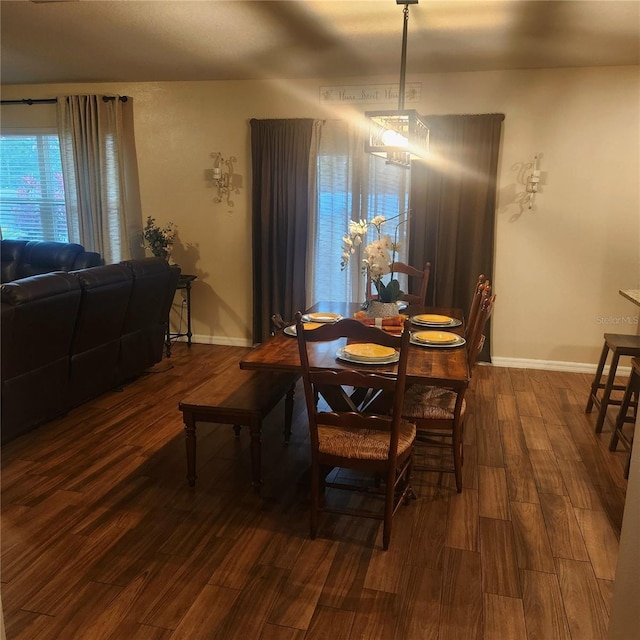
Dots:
pixel 121 41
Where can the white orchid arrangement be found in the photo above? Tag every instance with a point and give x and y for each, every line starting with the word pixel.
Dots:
pixel 379 255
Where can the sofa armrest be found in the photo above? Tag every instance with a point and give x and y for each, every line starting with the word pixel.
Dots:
pixel 11 254
pixel 87 259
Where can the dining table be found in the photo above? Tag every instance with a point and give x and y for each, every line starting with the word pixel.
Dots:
pixel 426 365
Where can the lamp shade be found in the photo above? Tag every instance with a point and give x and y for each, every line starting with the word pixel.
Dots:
pixel 398 136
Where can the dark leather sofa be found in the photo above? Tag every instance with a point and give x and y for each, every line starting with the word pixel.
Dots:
pixel 68 337
pixel 23 258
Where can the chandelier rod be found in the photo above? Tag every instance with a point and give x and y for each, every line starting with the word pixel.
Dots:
pixel 403 58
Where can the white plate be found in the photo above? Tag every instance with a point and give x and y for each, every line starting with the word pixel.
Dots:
pixel 440 325
pixel 291 329
pixel 318 317
pixel 435 337
pixel 438 345
pixel 340 354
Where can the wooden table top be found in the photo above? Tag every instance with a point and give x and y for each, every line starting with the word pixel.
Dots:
pixel 426 365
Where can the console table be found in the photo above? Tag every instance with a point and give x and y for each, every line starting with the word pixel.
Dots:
pixel 184 283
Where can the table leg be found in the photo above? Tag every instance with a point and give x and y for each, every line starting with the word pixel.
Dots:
pixel 255 428
pixel 190 445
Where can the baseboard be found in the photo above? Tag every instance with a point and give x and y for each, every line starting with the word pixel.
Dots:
pixel 553 365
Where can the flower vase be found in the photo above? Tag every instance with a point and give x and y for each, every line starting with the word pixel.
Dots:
pixel 377 309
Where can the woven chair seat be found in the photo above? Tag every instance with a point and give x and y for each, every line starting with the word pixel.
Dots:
pixel 432 403
pixel 363 444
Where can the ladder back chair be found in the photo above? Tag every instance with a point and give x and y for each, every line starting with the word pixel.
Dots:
pixel 420 297
pixel 475 302
pixel 439 412
pixel 344 436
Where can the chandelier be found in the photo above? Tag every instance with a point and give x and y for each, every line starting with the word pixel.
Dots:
pixel 400 135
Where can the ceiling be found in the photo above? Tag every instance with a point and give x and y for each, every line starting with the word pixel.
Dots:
pixel 51 41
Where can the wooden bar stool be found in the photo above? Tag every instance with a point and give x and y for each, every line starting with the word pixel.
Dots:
pixel 619 345
pixel 630 399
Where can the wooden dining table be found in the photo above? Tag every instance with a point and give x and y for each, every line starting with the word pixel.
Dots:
pixel 426 365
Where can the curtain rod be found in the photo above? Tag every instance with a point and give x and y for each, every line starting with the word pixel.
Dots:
pixel 31 101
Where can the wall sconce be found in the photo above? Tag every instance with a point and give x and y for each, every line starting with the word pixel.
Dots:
pixel 533 180
pixel 223 178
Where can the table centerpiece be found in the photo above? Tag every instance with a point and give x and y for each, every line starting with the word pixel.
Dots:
pixel 378 261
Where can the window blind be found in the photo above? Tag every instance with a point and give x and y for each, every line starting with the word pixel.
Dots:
pixel 353 185
pixel 32 204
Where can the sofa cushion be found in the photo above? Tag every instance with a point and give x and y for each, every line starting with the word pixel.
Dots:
pixel 43 257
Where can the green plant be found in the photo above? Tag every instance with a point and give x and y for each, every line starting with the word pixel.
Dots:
pixel 159 240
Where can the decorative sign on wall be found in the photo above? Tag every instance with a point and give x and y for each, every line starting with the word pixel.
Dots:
pixel 372 93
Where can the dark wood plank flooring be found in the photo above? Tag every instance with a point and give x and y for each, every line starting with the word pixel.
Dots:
pixel 102 538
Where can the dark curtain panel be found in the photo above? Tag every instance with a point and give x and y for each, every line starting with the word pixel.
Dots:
pixel 453 198
pixel 280 212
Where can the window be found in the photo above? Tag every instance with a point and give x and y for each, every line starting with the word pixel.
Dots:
pixel 352 185
pixel 32 204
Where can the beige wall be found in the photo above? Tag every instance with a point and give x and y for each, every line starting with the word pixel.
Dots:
pixel 558 266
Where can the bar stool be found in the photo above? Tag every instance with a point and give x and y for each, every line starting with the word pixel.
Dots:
pixel 632 390
pixel 619 345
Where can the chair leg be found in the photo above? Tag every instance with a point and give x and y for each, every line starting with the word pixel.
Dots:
pixel 457 455
pixel 604 402
pixel 315 499
pixel 288 412
pixel 621 418
pixel 630 396
pixel 389 504
pixel 595 385
pixel 408 491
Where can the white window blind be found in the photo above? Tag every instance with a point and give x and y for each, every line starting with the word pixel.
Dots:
pixel 352 185
pixel 32 204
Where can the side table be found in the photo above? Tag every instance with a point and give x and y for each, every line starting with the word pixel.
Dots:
pixel 184 283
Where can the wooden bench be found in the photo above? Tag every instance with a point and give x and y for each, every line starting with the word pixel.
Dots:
pixel 240 398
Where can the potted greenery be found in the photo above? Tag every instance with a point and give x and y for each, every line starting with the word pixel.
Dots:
pixel 159 240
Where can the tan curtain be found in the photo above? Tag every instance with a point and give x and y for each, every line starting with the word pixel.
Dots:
pixel 100 174
pixel 453 201
pixel 280 159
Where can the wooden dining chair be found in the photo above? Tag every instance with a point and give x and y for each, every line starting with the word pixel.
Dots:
pixel 475 303
pixel 412 298
pixel 344 436
pixel 439 411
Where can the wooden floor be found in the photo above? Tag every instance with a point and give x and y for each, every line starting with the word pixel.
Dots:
pixel 102 538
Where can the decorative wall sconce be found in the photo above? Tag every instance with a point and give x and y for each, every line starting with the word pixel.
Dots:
pixel 223 178
pixel 533 180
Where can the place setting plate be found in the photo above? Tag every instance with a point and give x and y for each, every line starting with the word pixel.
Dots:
pixel 322 317
pixel 368 353
pixel 291 329
pixel 437 339
pixel 435 320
